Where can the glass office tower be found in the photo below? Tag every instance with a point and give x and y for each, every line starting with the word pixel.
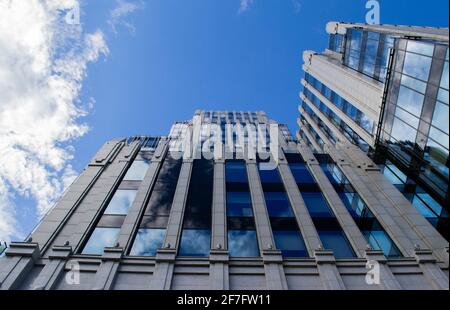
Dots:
pixel 228 200
pixel 385 90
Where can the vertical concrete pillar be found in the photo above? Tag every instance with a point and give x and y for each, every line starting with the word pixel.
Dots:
pixel 275 278
pixel 162 276
pixel 431 270
pixel 106 273
pixel 53 269
pixel 218 270
pixel 329 274
pixel 218 275
pixel 378 262
pixel 20 258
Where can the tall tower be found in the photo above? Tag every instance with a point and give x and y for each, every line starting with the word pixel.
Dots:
pixel 384 89
pixel 228 200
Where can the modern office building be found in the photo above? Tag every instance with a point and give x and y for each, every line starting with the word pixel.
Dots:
pixel 229 200
pixel 385 90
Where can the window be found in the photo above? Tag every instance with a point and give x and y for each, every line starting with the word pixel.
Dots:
pixel 290 243
pixel 100 238
pixel 121 202
pixel 195 242
pixel 152 228
pixel 336 240
pixel 278 204
pixel 196 234
pixel 239 204
pixel 417 66
pixel 147 242
pixel 242 243
pixel 242 237
pixel 137 170
pixel 287 235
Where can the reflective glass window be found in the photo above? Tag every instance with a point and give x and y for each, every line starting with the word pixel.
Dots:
pixel 417 66
pixel 195 242
pixel 410 100
pixel 137 170
pixel 100 238
pixel 336 240
pixel 290 243
pixel 121 202
pixel 278 204
pixel 148 241
pixel 242 243
pixel 239 204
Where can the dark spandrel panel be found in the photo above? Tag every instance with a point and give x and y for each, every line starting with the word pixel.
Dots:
pixel 278 205
pixel 197 220
pixel 130 185
pixel 154 221
pixel 326 224
pixel 284 223
pixel 242 243
pixel 111 221
pixel 273 187
pixel 240 223
pixel 336 241
pixel 239 204
pixel 100 238
pixel 290 243
pixel 294 158
pixel 121 202
pixel 323 158
pixel 195 242
pixel 147 242
pixel 237 187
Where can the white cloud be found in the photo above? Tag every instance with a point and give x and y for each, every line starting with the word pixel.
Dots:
pixel 245 5
pixel 43 62
pixel 118 15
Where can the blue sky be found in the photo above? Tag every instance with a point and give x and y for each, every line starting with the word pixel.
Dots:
pixel 168 58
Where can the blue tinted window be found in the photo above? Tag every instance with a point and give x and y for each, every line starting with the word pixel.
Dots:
pixel 278 204
pixel 236 172
pixel 417 66
pixel 290 243
pixel 137 170
pixel 195 242
pixel 269 176
pixel 148 241
pixel 301 173
pixel 242 243
pixel 316 204
pixel 379 240
pixel 239 204
pixel 121 202
pixel 101 237
pixel 336 241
